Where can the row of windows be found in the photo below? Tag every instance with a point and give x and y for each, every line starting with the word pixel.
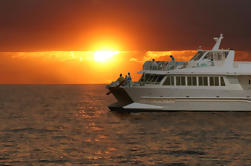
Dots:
pixel 215 55
pixel 194 81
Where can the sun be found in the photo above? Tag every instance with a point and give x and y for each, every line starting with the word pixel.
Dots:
pixel 104 55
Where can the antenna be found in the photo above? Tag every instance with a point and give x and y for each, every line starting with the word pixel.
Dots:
pixel 218 42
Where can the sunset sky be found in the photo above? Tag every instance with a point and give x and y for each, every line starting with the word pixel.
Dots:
pixel 59 41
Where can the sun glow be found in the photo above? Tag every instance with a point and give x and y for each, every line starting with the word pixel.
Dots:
pixel 103 56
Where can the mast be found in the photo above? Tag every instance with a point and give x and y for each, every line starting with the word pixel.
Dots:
pixel 218 42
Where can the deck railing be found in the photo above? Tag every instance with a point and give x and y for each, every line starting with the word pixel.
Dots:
pixel 163 65
pixel 171 65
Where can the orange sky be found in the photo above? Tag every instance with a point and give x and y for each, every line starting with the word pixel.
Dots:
pixel 74 67
pixel 53 42
pixel 78 67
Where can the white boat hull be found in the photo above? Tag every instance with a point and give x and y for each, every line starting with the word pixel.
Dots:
pixel 186 101
pixel 186 106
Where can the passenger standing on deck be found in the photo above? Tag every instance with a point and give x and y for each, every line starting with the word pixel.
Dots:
pixel 173 60
pixel 120 79
pixel 129 79
pixel 173 64
pixel 154 65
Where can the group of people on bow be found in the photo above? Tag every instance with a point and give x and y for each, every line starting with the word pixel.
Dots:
pixel 127 80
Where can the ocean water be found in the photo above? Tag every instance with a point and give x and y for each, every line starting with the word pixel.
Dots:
pixel 71 125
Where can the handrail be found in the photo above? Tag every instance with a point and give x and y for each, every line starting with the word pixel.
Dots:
pixel 163 65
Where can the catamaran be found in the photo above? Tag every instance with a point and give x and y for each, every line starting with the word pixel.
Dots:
pixel 210 81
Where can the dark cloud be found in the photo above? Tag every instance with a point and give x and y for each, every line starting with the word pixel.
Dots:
pixel 141 24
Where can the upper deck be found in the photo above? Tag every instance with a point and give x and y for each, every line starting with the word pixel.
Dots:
pixel 215 61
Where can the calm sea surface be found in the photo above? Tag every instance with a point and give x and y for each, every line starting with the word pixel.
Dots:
pixel 71 125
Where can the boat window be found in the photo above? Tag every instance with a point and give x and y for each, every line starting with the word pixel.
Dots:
pixel 200 81
pixel 209 56
pixel 153 79
pixel 219 57
pixel 189 81
pixel 169 80
pixel 198 55
pixel 211 80
pixel 178 81
pixel 205 81
pixel 222 81
pixel 159 79
pixel 172 80
pixel 194 81
pixel 216 55
pixel 216 81
pixel 183 80
pixel 147 76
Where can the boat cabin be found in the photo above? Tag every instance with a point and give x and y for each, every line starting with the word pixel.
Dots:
pixel 207 68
